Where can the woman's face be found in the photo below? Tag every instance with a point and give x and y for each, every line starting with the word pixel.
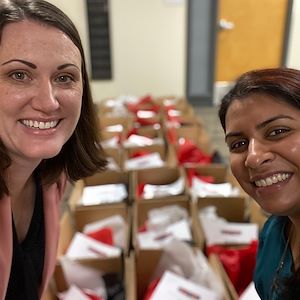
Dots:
pixel 41 90
pixel 263 136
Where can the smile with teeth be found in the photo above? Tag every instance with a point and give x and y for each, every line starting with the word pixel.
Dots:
pixel 272 179
pixel 39 125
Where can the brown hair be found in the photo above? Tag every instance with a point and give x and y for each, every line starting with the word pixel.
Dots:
pixel 283 83
pixel 82 154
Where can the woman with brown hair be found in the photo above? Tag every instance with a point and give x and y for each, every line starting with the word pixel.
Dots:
pixel 48 134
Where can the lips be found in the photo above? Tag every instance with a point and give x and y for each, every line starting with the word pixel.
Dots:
pixel 273 179
pixel 39 124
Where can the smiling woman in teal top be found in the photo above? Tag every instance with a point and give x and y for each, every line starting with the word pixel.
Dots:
pixel 260 116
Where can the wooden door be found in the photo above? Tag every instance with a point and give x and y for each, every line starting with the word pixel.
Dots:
pixel 254 37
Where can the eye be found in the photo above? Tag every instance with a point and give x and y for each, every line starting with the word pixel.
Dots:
pixel 278 132
pixel 19 76
pixel 238 146
pixel 65 78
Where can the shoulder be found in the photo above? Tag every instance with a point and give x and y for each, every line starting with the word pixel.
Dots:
pixel 274 227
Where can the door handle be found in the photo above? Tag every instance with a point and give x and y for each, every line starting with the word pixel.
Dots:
pixel 225 24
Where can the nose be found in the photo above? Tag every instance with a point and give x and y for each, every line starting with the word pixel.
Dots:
pixel 45 98
pixel 258 154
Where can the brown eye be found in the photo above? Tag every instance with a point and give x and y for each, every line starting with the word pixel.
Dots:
pixel 238 146
pixel 65 79
pixel 19 76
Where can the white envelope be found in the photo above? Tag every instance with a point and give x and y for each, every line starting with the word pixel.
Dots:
pixel 151 160
pixel 201 188
pixel 104 193
pixel 154 190
pixel 83 246
pixel 157 240
pixel 220 232
pixel 174 287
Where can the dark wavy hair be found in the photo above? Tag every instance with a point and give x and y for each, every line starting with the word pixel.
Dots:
pixel 284 85
pixel 82 154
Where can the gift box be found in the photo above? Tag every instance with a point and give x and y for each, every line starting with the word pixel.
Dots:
pixel 105 265
pixel 141 212
pixel 169 181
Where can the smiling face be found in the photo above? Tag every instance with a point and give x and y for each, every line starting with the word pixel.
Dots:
pixel 263 136
pixel 41 90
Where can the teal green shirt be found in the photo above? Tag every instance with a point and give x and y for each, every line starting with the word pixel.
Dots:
pixel 272 243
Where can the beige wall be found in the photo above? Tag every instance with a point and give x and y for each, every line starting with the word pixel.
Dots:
pixel 148 46
pixel 148 40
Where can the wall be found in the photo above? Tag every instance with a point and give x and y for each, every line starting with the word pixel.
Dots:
pixel 148 46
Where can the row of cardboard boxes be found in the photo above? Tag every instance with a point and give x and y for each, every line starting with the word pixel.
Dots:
pixel 136 262
pixel 177 139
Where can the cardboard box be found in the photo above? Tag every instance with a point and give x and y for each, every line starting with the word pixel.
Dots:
pixel 122 265
pixel 104 177
pixel 231 209
pixel 159 176
pixel 116 154
pixel 146 262
pixel 90 213
pixel 140 214
pixel 217 171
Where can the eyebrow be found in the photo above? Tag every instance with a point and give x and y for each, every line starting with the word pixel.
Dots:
pixel 33 66
pixel 66 66
pixel 259 126
pixel 27 63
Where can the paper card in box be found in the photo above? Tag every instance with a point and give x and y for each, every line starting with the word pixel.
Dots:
pixel 172 286
pixel 164 177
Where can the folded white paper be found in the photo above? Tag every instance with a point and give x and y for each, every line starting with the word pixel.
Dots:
pixel 135 140
pixel 160 218
pixel 158 239
pixel 201 188
pixel 110 143
pixel 175 188
pixel 73 293
pixel 83 246
pixel 250 293
pixel 221 232
pixel 172 287
pixel 82 276
pixel 151 160
pixel 104 193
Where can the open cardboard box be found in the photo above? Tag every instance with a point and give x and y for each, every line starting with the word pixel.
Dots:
pixel 140 215
pixel 104 177
pixel 231 209
pixel 217 171
pixel 122 265
pixel 91 213
pixel 158 176
pixel 116 154
pixel 146 262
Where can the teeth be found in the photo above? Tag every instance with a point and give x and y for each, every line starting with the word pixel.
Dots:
pixel 272 179
pixel 39 125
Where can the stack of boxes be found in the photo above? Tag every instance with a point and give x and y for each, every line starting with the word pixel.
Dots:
pixel 154 147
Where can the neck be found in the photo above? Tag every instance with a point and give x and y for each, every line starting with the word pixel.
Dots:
pixel 18 176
